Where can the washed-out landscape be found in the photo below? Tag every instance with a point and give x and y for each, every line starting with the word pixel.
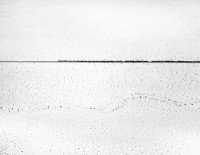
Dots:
pixel 61 108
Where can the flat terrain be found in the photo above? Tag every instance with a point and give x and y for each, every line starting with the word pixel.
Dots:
pixel 99 109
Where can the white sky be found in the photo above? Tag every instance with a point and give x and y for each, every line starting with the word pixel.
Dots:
pixel 51 30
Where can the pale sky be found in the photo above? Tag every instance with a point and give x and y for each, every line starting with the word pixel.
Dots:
pixel 52 30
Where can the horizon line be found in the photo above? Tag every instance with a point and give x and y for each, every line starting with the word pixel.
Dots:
pixel 99 61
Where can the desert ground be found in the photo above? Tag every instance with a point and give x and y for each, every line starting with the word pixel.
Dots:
pixel 100 109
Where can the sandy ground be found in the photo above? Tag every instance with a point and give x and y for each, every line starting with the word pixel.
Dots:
pixel 134 130
pixel 99 109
